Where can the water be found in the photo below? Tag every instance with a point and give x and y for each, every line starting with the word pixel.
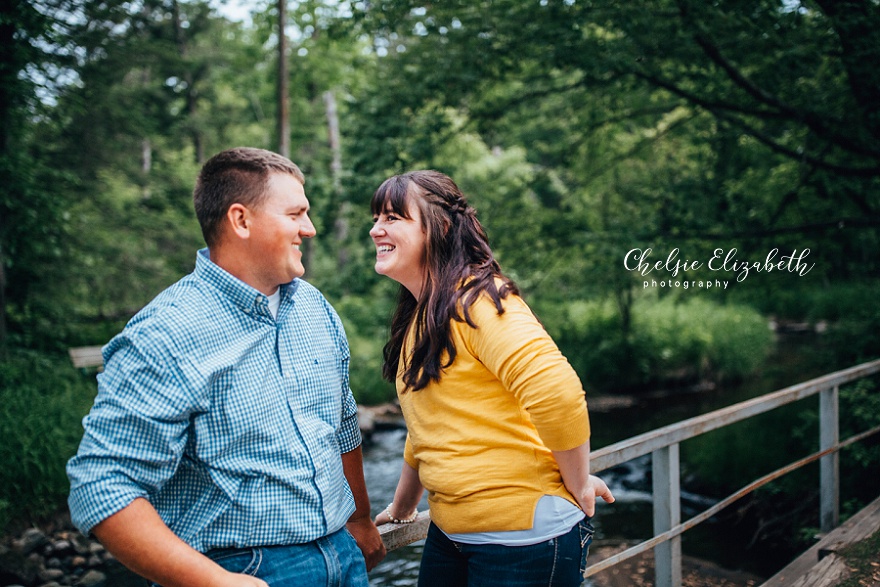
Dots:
pixel 383 459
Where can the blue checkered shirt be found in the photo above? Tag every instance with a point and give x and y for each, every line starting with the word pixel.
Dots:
pixel 230 422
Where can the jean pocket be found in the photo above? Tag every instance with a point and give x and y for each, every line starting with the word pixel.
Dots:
pixel 243 561
pixel 585 532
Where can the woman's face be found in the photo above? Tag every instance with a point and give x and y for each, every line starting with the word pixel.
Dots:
pixel 400 247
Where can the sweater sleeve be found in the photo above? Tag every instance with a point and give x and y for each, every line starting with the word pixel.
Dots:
pixel 408 455
pixel 515 347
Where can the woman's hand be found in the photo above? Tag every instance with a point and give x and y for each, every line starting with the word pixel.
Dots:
pixel 406 497
pixel 383 518
pixel 574 465
pixel 595 488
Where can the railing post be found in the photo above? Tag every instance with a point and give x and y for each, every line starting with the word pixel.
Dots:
pixel 829 465
pixel 667 514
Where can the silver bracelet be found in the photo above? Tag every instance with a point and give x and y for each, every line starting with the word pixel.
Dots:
pixel 409 520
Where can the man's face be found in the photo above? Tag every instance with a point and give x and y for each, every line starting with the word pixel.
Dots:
pixel 278 226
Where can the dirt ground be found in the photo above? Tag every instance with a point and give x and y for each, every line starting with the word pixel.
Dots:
pixel 639 571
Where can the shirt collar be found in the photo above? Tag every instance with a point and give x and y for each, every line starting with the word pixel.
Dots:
pixel 244 296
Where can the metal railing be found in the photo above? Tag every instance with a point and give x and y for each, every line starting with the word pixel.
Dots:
pixel 663 445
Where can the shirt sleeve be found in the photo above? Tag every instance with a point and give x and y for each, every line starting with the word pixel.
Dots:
pixel 134 434
pixel 349 434
pixel 515 347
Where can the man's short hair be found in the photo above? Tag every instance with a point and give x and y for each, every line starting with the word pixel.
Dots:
pixel 238 175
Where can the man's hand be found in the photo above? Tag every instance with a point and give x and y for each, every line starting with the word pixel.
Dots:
pixel 238 580
pixel 368 540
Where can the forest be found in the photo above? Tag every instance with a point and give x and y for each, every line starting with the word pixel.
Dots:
pixel 662 179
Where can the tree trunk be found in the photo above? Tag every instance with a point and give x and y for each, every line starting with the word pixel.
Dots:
pixel 340 227
pixel 283 83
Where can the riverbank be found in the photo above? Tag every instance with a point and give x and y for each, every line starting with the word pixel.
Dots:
pixel 54 556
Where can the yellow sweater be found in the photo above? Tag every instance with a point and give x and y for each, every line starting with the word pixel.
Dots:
pixel 481 437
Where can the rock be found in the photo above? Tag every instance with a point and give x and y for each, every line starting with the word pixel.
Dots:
pixel 51 584
pixel 30 540
pixel 51 574
pixel 53 563
pixel 96 548
pixel 81 544
pixel 16 568
pixel 78 561
pixel 366 420
pixel 62 547
pixel 94 561
pixel 92 578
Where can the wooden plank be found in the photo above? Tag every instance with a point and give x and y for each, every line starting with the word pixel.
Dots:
pixel 829 572
pixel 86 356
pixel 857 528
pixel 399 535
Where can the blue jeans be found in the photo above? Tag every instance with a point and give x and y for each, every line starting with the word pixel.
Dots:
pixel 334 561
pixel 559 562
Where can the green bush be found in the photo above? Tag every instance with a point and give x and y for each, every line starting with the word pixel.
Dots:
pixel 721 342
pixel 589 334
pixel 668 341
pixel 809 302
pixel 43 402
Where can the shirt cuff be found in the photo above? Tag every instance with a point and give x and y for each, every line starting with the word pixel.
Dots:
pixel 93 503
pixel 349 434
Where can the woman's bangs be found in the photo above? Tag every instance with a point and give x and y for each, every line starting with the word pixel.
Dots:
pixel 391 196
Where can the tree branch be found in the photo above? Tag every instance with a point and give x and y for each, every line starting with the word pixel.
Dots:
pixel 811 119
pixel 787 151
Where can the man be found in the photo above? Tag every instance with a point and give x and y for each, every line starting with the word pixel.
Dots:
pixel 223 447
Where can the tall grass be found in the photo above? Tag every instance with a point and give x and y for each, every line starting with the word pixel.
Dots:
pixel 42 402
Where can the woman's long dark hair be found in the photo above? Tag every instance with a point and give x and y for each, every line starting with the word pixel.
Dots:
pixel 459 266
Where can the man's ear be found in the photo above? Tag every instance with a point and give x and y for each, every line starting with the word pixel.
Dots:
pixel 238 219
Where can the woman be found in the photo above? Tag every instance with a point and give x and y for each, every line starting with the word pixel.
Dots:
pixel 498 431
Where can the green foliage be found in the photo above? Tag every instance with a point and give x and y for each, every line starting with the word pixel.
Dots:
pixel 717 458
pixel 42 402
pixel 670 341
pixel 366 325
pixel 799 300
pixel 860 411
pixel 855 337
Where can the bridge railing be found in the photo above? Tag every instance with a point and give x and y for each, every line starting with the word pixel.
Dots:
pixel 663 446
